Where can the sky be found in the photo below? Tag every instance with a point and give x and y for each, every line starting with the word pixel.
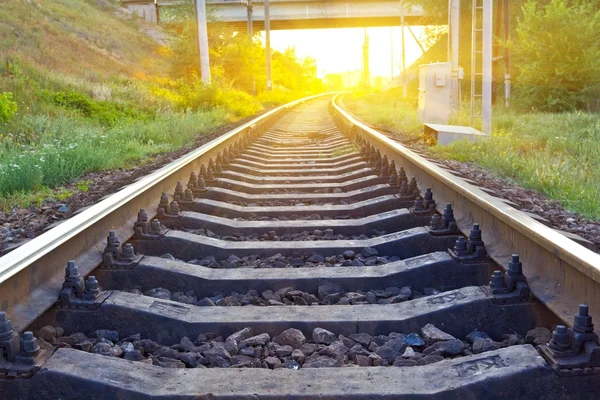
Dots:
pixel 340 50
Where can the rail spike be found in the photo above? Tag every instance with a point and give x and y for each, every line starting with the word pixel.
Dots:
pixel 145 229
pixel 200 188
pixel 510 287
pixel 178 193
pixel 20 357
pixel 9 339
pixel 79 293
pixel 444 225
pixel 402 174
pixel 193 181
pixel 424 206
pixel 183 196
pixel 473 250
pixel 210 176
pixel 171 211
pixel 218 168
pixel 403 193
pixel 574 351
pixel 384 172
pixel 119 256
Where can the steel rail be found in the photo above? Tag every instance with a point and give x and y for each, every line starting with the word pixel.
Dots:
pixel 31 276
pixel 561 273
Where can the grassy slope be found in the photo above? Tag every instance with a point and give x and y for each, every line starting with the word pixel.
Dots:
pixel 76 37
pixel 87 50
pixel 558 154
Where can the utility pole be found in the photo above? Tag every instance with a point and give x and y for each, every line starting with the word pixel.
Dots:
pixel 366 73
pixel 453 51
pixel 486 105
pixel 391 53
pixel 248 4
pixel 404 93
pixel 268 44
pixel 484 48
pixel 203 41
pixel 506 53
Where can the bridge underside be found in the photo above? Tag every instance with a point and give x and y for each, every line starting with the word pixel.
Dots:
pixel 311 14
pixel 320 23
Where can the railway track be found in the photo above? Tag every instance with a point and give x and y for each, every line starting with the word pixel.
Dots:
pixel 302 255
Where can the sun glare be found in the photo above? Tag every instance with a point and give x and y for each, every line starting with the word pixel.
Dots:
pixel 340 50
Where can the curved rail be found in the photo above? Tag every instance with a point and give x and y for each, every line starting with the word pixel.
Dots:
pixel 561 273
pixel 31 276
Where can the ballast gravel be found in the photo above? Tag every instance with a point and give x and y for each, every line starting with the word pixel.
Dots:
pixel 289 349
pixel 329 293
pixel 317 234
pixel 366 257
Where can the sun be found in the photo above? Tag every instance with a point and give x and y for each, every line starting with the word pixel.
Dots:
pixel 340 50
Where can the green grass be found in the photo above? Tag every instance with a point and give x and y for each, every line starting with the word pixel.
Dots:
pixel 70 147
pixel 47 151
pixel 384 109
pixel 557 154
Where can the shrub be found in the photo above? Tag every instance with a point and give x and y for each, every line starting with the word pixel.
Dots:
pixel 75 101
pixel 278 97
pixel 241 104
pixel 8 107
pixel 557 51
pixel 195 95
pixel 107 113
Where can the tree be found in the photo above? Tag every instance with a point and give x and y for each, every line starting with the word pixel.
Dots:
pixel 236 61
pixel 557 53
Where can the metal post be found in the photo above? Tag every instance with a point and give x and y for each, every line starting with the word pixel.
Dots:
pixel 454 56
pixel 404 93
pixel 408 28
pixel 496 52
pixel 449 47
pixel 391 53
pixel 203 41
pixel 366 72
pixel 268 43
pixel 249 8
pixel 248 4
pixel 474 58
pixel 486 105
pixel 506 53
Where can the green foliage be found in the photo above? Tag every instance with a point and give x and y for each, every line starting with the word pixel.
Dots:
pixel 557 52
pixel 8 107
pixel 107 113
pixel 83 186
pixel 241 104
pixel 238 62
pixel 387 109
pixel 279 97
pixel 557 154
pixel 70 147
